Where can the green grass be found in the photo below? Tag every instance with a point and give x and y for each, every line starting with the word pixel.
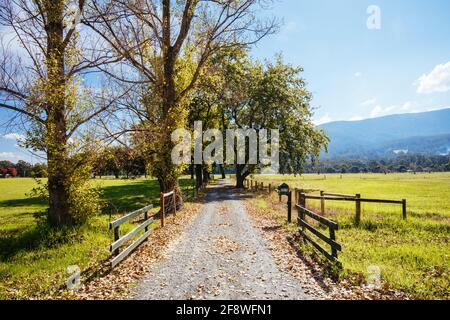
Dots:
pixel 413 255
pixel 34 258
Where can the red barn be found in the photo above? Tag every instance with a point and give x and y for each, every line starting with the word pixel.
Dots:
pixel 10 171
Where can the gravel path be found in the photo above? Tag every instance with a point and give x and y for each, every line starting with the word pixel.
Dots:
pixel 219 256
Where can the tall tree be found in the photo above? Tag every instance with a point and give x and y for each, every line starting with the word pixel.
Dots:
pixel 168 43
pixel 41 84
pixel 269 95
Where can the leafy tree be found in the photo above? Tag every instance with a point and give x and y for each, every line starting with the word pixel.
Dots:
pixel 6 164
pixel 168 43
pixel 39 170
pixel 273 96
pixel 45 92
pixel 24 168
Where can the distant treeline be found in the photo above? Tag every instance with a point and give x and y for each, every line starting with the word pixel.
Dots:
pixel 119 161
pixel 400 163
pixel 22 169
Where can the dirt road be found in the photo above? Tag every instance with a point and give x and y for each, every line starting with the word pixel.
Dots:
pixel 221 255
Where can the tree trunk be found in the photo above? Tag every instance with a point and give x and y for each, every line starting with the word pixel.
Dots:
pixel 167 185
pixel 192 171
pixel 240 176
pixel 198 175
pixel 205 174
pixel 57 156
pixel 222 171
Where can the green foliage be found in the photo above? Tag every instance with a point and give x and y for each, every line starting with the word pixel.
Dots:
pixel 34 255
pixel 84 197
pixel 238 92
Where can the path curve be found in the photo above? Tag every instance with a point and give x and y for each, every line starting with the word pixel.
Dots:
pixel 221 255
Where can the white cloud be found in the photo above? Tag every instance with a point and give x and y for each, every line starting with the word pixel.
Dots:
pixel 438 80
pixel 325 119
pixel 380 111
pixel 10 156
pixel 358 74
pixel 14 136
pixel 369 102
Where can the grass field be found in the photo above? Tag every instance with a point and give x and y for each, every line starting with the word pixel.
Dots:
pixel 413 255
pixel 33 259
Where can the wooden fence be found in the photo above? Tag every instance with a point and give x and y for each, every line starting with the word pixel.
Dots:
pixel 306 229
pixel 350 198
pixel 332 226
pixel 120 241
pixel 168 205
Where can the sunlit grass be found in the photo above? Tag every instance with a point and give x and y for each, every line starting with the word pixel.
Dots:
pixel 33 258
pixel 413 255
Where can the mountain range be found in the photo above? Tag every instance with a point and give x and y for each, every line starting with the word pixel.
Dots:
pixel 418 133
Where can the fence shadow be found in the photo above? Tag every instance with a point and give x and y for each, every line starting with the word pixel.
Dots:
pixel 40 235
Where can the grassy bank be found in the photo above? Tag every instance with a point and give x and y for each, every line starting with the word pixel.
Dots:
pixel 413 255
pixel 33 258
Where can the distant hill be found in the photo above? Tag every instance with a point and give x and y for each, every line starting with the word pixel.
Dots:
pixel 423 133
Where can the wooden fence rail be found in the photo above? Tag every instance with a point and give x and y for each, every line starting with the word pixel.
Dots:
pixel 303 215
pixel 120 241
pixel 358 200
pixel 332 226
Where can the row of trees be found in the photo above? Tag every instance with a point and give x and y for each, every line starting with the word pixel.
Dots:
pixel 401 163
pixel 24 169
pixel 95 74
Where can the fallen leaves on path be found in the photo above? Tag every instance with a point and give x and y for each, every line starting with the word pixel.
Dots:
pixel 223 209
pixel 117 283
pixel 224 245
pixel 311 278
pixel 309 272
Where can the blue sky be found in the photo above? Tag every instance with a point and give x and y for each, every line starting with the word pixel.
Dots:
pixel 357 73
pixel 354 72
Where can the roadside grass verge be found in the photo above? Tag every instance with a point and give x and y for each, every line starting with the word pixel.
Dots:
pixel 34 257
pixel 413 255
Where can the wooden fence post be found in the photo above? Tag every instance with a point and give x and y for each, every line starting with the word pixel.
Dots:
pixel 301 214
pixel 270 188
pixel 404 209
pixel 146 218
pixel 289 204
pixel 302 200
pixel 161 204
pixel 116 237
pixel 358 209
pixel 322 204
pixel 333 237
